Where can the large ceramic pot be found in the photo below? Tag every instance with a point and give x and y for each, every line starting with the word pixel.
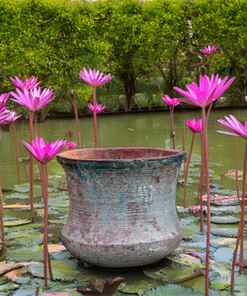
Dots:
pixel 122 205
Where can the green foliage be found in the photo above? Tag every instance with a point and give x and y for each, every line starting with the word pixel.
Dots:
pixel 151 44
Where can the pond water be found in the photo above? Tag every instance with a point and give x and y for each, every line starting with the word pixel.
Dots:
pixel 151 129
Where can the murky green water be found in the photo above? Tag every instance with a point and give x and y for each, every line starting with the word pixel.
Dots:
pixel 146 130
pixel 143 130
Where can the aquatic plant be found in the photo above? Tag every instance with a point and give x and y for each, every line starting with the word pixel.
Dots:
pixel 202 96
pixel 208 50
pixel 76 117
pixel 171 103
pixel 70 145
pixel 6 117
pixel 195 127
pixel 28 83
pixel 34 100
pixel 44 152
pixel 94 78
pixel 238 130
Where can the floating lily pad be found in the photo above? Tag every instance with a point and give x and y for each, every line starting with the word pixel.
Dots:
pixel 19 254
pixel 6 288
pixel 172 290
pixel 173 273
pixel 25 237
pixel 224 220
pixel 136 286
pixel 17 196
pixel 13 223
pixel 25 187
pixel 225 232
pixel 22 206
pixel 62 270
pixel 217 242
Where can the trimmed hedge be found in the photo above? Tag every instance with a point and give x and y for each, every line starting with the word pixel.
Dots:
pixel 149 46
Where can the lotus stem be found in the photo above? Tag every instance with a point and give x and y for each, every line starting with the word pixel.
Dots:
pixel 236 168
pixel 201 186
pixel 44 185
pixel 10 138
pixel 1 214
pixel 35 124
pixel 17 156
pixel 187 168
pixel 76 118
pixel 23 147
pixel 242 224
pixel 48 255
pixel 95 118
pixel 205 150
pixel 31 163
pixel 172 124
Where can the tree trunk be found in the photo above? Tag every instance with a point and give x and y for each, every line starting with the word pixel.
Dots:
pixel 129 89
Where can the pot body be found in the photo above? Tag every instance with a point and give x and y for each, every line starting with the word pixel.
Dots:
pixel 122 205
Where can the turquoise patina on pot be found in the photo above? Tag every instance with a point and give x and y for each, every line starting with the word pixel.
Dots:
pixel 122 205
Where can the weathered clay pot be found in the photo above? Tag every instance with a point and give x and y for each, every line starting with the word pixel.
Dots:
pixel 122 205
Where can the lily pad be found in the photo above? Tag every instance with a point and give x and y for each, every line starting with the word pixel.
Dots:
pixel 224 220
pixel 17 196
pixel 62 270
pixel 225 232
pixel 25 237
pixel 19 254
pixel 173 273
pixel 13 223
pixel 172 290
pixel 6 288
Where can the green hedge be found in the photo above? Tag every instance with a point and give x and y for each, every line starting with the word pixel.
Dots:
pixel 148 46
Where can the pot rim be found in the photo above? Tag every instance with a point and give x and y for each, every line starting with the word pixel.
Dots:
pixel 173 153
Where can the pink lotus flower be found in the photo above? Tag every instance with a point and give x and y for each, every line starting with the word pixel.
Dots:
pixel 233 124
pixel 29 83
pixel 194 254
pixel 196 209
pixel 9 117
pixel 70 145
pixel 208 91
pixel 42 151
pixel 209 50
pixel 171 102
pixel 3 100
pixel 99 108
pixel 194 126
pixel 33 99
pixel 94 78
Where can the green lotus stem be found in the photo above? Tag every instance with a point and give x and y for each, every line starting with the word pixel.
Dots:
pixel 236 168
pixel 31 163
pixel 205 152
pixel 187 168
pixel 76 118
pixel 95 118
pixel 1 214
pixel 17 156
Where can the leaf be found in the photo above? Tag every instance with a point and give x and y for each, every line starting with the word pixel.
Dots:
pixel 62 270
pixel 13 223
pixel 8 287
pixel 22 206
pixel 171 290
pixel 224 220
pixel 101 287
